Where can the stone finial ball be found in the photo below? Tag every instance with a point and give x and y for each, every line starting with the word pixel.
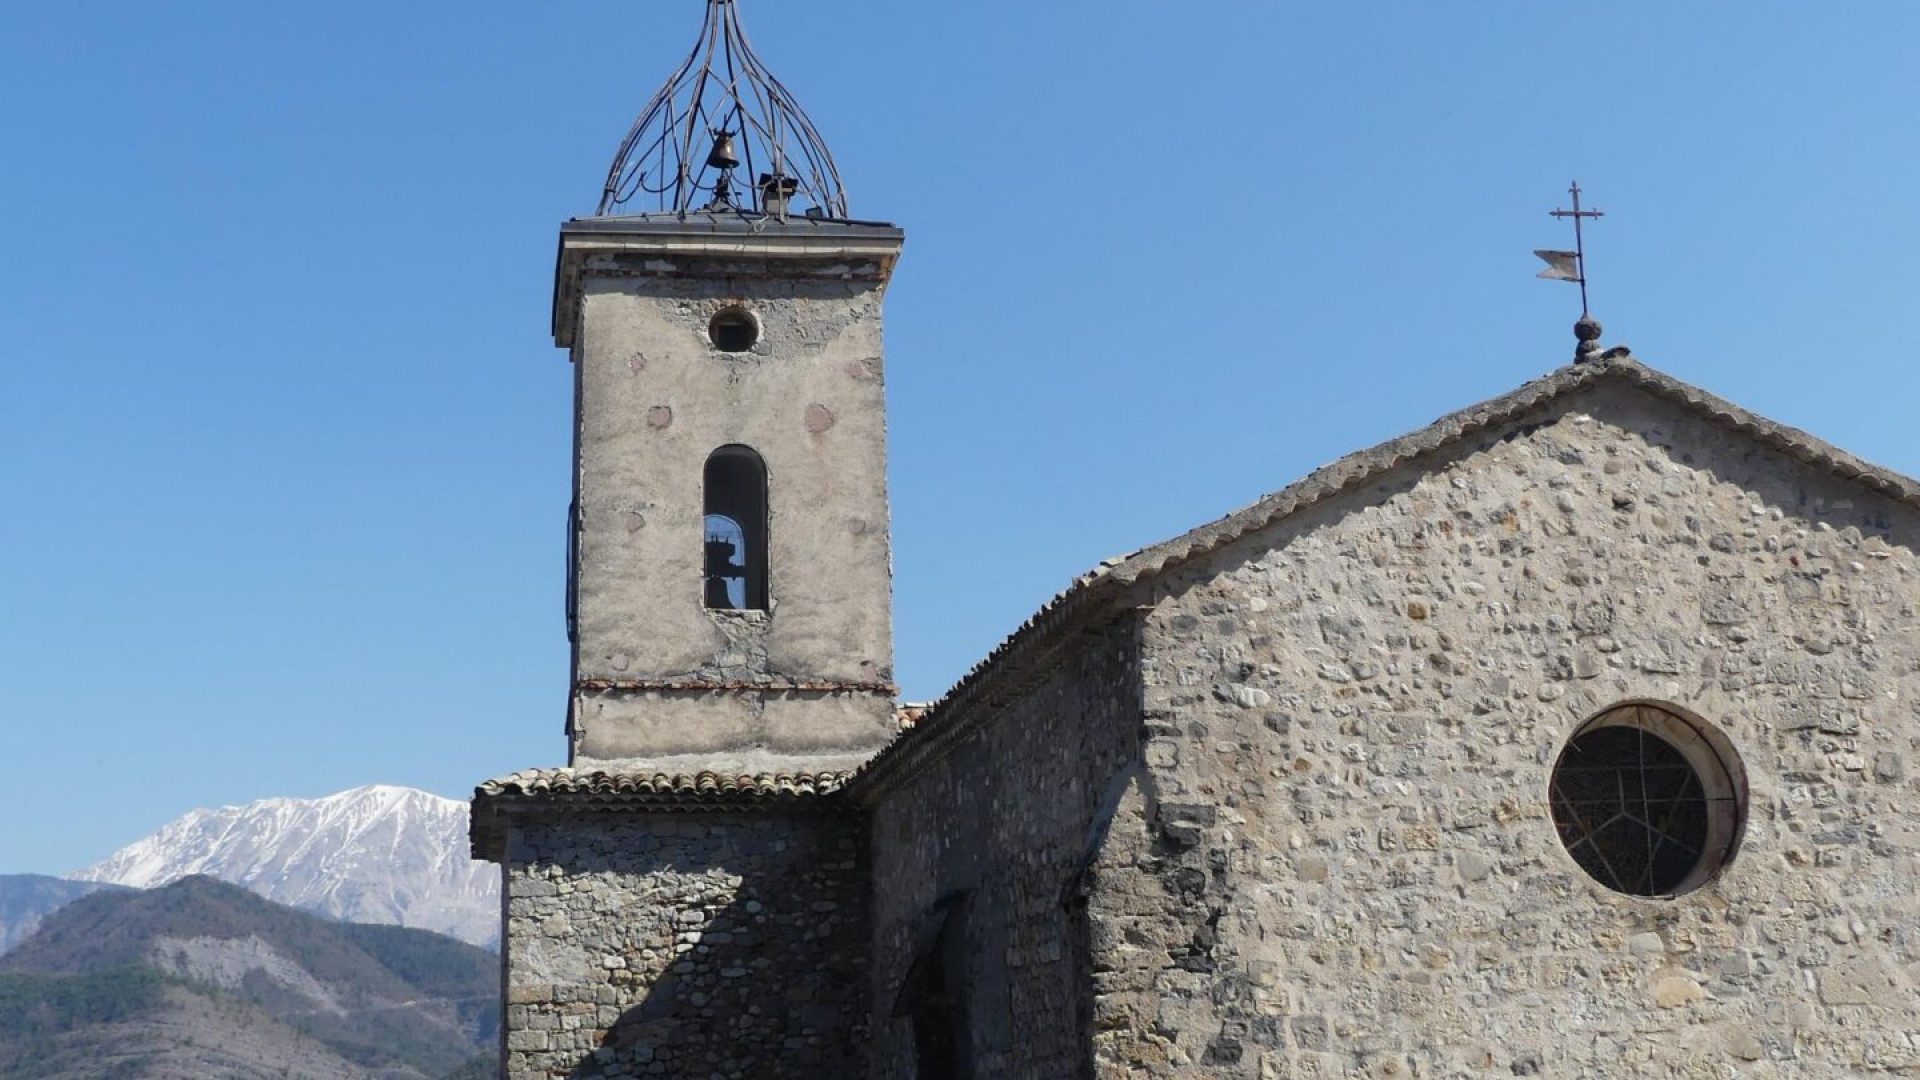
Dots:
pixel 1587 329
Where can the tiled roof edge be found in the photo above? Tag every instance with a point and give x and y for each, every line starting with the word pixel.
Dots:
pixel 536 792
pixel 1097 594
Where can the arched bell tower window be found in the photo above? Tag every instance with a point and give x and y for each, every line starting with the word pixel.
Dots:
pixel 736 530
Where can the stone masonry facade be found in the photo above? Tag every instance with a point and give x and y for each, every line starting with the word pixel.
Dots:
pixel 1368 698
pixel 1006 821
pixel 687 945
pixel 660 677
pixel 1270 800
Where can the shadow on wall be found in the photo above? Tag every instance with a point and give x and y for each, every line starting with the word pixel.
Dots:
pixel 742 939
pixel 956 1010
pixel 725 1006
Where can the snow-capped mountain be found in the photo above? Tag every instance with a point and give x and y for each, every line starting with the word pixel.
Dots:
pixel 375 854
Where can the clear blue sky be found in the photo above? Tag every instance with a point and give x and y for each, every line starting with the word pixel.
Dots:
pixel 283 437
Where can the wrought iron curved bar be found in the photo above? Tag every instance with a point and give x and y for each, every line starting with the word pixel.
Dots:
pixel 670 160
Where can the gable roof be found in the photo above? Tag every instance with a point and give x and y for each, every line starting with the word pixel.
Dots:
pixel 1024 656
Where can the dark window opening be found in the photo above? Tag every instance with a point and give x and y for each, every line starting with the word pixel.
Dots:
pixel 1630 810
pixel 936 1051
pixel 733 329
pixel 1645 802
pixel 573 570
pixel 736 530
pixel 933 998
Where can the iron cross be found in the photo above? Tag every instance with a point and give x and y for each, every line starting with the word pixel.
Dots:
pixel 1579 243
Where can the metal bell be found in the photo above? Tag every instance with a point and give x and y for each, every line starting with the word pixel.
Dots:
pixel 722 156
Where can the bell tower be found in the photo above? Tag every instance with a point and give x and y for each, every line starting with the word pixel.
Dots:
pixel 729 578
pixel 688 895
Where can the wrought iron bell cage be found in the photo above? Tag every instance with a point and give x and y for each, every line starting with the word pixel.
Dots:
pixel 723 134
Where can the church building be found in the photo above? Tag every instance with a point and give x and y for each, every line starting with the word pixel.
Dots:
pixel 1573 735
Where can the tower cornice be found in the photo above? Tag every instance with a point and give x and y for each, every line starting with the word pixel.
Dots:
pixel 727 245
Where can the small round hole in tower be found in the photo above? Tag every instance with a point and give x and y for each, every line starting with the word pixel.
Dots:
pixel 733 329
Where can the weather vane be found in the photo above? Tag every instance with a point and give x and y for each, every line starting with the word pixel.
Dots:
pixel 1572 266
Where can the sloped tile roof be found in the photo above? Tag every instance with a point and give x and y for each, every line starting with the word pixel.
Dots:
pixel 571 790
pixel 1025 655
pixel 625 786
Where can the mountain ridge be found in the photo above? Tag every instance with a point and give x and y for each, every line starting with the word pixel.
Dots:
pixel 378 853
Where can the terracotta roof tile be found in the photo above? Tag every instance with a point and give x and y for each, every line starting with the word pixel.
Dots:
pixel 616 785
pixel 567 790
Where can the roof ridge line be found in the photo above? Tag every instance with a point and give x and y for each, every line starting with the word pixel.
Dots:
pixel 1080 601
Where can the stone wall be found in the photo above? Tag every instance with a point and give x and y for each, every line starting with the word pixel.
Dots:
pixel 1342 861
pixel 1000 827
pixel 685 945
pixel 654 399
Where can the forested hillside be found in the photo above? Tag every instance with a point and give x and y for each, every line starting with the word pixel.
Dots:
pixel 206 981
